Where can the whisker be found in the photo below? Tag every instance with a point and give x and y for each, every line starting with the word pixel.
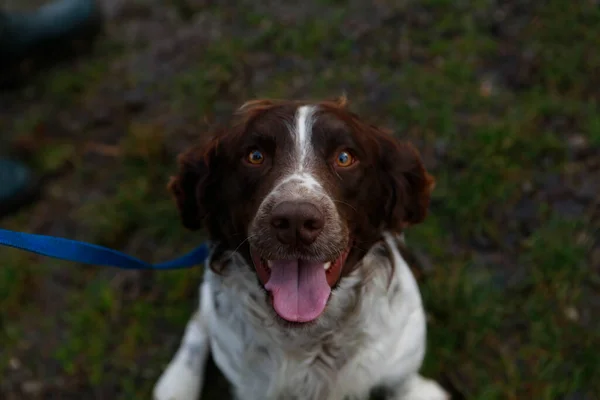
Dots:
pixel 243 241
pixel 232 254
pixel 347 204
pixel 338 175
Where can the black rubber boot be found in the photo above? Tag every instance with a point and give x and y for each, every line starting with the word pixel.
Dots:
pixel 33 40
pixel 18 186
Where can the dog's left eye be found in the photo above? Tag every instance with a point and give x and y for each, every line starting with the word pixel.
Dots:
pixel 255 157
pixel 344 159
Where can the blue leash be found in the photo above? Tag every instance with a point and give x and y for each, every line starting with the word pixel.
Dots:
pixel 87 253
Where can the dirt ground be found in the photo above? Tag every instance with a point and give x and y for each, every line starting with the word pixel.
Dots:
pixel 501 97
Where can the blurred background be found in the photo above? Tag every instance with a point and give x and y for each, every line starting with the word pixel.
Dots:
pixel 501 97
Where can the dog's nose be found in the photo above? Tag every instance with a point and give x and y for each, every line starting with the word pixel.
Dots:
pixel 297 221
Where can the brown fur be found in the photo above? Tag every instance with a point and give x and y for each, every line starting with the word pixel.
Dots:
pixel 387 189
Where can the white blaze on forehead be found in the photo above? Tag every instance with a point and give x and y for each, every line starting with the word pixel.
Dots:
pixel 302 178
pixel 303 132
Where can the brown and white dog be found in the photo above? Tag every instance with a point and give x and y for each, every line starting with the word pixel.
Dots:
pixel 307 295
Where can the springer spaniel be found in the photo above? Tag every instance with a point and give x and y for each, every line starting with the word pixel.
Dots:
pixel 307 294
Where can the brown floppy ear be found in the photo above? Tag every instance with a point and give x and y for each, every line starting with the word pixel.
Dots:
pixel 190 184
pixel 409 183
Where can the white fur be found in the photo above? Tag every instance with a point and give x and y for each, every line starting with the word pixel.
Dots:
pixel 303 133
pixel 371 333
pixel 184 375
pixel 306 180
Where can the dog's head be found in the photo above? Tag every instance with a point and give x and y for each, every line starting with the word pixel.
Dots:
pixel 302 190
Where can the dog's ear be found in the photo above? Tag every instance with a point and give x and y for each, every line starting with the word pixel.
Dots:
pixel 190 184
pixel 409 184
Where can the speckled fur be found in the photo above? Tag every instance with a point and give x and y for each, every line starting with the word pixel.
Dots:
pixel 371 335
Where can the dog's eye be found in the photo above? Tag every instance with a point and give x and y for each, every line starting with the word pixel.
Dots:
pixel 255 157
pixel 344 159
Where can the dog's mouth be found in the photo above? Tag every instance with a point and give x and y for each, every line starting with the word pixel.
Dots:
pixel 299 289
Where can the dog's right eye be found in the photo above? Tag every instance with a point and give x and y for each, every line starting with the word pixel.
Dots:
pixel 345 159
pixel 255 157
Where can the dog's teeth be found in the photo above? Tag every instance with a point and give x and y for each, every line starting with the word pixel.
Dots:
pixel 327 265
pixel 269 263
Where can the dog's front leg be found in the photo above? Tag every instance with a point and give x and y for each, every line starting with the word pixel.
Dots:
pixel 419 388
pixel 183 377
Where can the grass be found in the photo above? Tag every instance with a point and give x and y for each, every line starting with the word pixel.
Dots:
pixel 509 296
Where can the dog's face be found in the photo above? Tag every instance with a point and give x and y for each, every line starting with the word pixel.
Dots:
pixel 302 191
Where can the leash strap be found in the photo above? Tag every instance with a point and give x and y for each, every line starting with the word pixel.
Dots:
pixel 87 253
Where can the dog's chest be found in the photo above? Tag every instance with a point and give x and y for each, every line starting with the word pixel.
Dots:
pixel 381 339
pixel 259 358
pixel 261 369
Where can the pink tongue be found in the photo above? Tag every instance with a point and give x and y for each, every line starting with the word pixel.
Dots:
pixel 299 288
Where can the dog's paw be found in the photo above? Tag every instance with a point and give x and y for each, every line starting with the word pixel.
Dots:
pixel 420 388
pixel 178 382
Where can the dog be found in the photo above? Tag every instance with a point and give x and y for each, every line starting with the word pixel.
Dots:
pixel 306 294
